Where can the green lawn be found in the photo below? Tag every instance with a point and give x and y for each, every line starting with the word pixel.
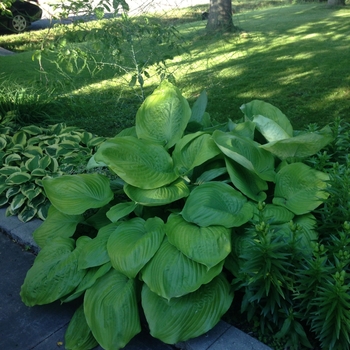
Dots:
pixel 295 57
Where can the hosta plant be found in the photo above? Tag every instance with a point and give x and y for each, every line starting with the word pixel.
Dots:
pixel 33 153
pixel 159 239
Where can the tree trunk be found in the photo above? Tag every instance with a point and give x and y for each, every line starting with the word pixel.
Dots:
pixel 336 2
pixel 220 16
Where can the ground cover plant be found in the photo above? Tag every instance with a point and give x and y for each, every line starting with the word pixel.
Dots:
pixel 149 242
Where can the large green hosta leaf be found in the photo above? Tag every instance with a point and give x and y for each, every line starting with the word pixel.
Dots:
pixel 216 203
pixel 193 150
pixel 78 334
pixel 163 116
pixel 111 310
pixel 74 194
pixel 94 252
pixel 205 245
pixel 301 146
pixel 158 196
pixel 134 243
pixel 139 163
pixel 55 272
pixel 300 188
pixel 257 107
pixel 271 130
pixel 171 274
pixel 248 182
pixel 120 210
pixel 247 153
pixel 91 276
pixel 56 224
pixel 180 319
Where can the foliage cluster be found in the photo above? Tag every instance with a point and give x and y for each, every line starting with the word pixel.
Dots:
pixel 195 207
pixel 30 154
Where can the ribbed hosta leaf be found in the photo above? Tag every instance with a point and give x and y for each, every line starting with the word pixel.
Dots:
pixel 247 153
pixel 120 210
pixel 205 245
pixel 163 116
pixel 134 243
pixel 193 150
pixel 158 196
pixel 139 163
pixel 94 252
pixel 301 146
pixel 300 188
pixel 54 274
pixel 111 310
pixel 91 276
pixel 275 214
pixel 172 274
pixel 248 182
pixel 78 334
pixel 74 194
pixel 56 224
pixel 216 203
pixel 180 319
pixel 257 107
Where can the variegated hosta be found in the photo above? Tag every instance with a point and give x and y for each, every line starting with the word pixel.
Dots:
pixel 33 153
pixel 162 236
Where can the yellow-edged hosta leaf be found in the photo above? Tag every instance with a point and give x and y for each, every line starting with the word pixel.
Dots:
pixel 189 316
pixel 171 274
pixel 205 245
pixel 74 194
pixel 111 310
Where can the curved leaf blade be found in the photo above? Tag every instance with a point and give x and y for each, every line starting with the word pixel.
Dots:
pixel 78 335
pixel 134 243
pixel 54 274
pixel 220 204
pixel 163 116
pixel 257 107
pixel 111 310
pixel 180 319
pixel 74 194
pixel 193 150
pixel 247 153
pixel 158 196
pixel 300 188
pixel 57 224
pixel 139 163
pixel 205 245
pixel 171 274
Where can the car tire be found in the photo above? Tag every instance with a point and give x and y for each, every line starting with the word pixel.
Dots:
pixel 18 23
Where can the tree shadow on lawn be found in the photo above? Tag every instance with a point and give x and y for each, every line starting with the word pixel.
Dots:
pixel 301 69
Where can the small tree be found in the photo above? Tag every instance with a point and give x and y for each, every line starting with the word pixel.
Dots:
pixel 220 16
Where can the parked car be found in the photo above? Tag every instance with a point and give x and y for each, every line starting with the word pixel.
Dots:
pixel 23 14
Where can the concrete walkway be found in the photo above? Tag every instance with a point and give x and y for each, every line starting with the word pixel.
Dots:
pixel 43 327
